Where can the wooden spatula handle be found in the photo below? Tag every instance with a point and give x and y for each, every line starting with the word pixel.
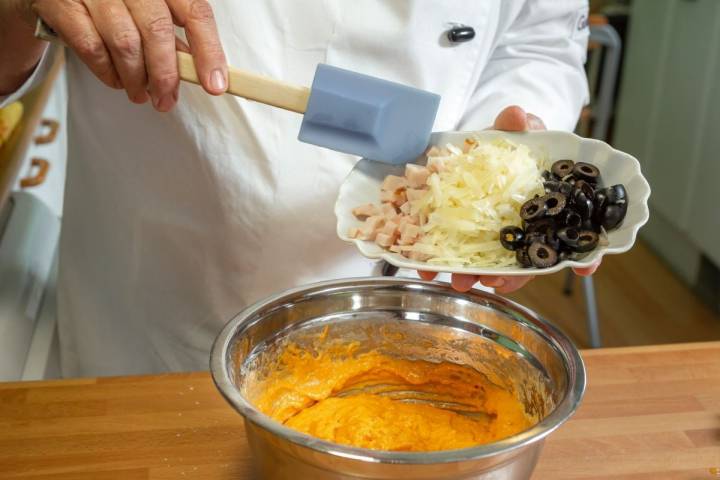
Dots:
pixel 252 86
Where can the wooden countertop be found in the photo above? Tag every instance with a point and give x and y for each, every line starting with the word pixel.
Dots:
pixel 649 413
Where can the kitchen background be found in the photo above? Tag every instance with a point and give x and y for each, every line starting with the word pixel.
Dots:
pixel 654 70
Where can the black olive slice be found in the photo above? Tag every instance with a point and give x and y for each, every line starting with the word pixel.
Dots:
pixel 512 237
pixel 554 203
pixel 552 239
pixel 585 187
pixel 570 218
pixel 587 240
pixel 523 258
pixel 533 237
pixel 564 255
pixel 613 215
pixel 542 255
pixel 600 199
pixel 533 209
pixel 582 205
pixel 539 225
pixel 546 175
pixel 616 194
pixel 562 168
pixel 569 236
pixel 586 171
pixel 552 185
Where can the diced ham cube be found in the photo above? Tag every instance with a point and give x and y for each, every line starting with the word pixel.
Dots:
pixel 409 234
pixel 435 165
pixel 408 220
pixel 416 175
pixel 393 183
pixel 396 198
pixel 390 228
pixel 371 227
pixel 405 208
pixel 385 240
pixel 419 256
pixel 395 248
pixel 414 194
pixel 353 232
pixel 388 212
pixel 433 151
pixel 364 211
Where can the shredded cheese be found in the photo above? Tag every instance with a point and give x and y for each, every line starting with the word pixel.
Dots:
pixel 472 196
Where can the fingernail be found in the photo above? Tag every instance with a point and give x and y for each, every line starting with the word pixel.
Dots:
pixel 165 103
pixel 217 80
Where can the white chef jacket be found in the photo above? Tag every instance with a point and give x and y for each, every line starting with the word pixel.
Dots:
pixel 175 222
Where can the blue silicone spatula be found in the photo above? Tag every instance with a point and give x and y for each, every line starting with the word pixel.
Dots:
pixel 344 111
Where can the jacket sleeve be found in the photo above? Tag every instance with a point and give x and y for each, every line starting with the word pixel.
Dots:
pixel 536 63
pixel 41 70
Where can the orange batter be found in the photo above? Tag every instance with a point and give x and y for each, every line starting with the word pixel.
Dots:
pixel 356 399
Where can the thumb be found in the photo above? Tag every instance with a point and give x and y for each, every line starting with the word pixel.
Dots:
pixel 512 119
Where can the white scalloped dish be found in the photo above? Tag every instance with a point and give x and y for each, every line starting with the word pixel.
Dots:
pixel 362 186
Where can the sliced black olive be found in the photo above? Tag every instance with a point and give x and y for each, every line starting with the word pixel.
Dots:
pixel 539 225
pixel 587 172
pixel 512 237
pixel 585 187
pixel 542 255
pixel 552 185
pixel 554 203
pixel 588 224
pixel 570 218
pixel 616 194
pixel 523 258
pixel 564 255
pixel 613 215
pixel 562 168
pixel 546 175
pixel 533 237
pixel 587 240
pixel 600 199
pixel 566 188
pixel 552 239
pixel 582 205
pixel 533 209
pixel 569 236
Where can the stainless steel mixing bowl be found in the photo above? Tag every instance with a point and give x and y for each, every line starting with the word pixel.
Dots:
pixel 510 344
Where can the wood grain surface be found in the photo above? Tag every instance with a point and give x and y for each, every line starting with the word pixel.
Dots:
pixel 649 413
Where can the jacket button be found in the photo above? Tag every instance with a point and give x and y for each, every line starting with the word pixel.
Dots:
pixel 461 34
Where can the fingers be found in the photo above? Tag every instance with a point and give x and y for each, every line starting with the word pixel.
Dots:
pixel 197 18
pixel 427 275
pixel 122 38
pixel 515 119
pixel 72 21
pixel 505 284
pixel 511 119
pixel 585 272
pixel 155 24
pixel 463 283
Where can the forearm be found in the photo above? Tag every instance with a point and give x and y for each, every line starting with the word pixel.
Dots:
pixel 21 50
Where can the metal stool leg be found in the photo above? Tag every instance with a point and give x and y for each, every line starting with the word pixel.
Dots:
pixel 569 283
pixel 593 322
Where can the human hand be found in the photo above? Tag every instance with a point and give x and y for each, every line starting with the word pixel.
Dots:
pixel 511 119
pixel 131 44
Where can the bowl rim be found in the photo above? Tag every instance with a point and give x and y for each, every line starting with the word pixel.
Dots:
pixel 575 376
pixel 368 250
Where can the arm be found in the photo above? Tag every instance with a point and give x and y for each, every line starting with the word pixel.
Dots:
pixel 16 29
